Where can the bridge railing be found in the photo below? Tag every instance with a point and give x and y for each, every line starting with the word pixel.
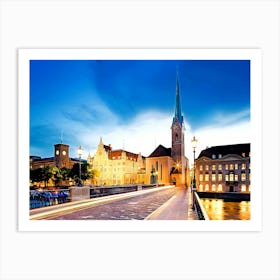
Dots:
pixel 200 210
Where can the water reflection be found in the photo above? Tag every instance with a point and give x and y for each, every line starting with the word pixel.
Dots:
pixel 219 209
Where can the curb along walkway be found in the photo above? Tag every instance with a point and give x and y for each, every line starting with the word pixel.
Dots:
pixel 178 207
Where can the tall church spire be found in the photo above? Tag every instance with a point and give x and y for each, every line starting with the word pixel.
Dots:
pixel 178 112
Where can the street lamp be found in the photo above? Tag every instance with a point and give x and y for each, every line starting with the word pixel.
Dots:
pixel 194 145
pixel 80 152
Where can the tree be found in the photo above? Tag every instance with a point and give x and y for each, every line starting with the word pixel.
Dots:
pixel 36 175
pixel 86 173
pixel 47 174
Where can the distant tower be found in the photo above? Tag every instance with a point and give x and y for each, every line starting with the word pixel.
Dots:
pixel 177 128
pixel 61 155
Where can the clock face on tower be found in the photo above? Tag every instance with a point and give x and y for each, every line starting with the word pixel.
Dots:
pixel 57 152
pixel 64 153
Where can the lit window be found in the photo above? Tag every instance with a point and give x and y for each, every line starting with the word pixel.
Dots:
pixel 213 156
pixel 206 177
pixel 236 166
pixel 213 167
pixel 201 188
pixel 220 167
pixel 206 187
pixel 200 167
pixel 226 177
pixel 249 188
pixel 220 188
pixel 243 177
pixel 243 166
pixel 206 167
pixel 243 188
pixel 226 166
pixel 220 177
pixel 213 188
pixel 220 156
pixel 231 177
pixel 236 177
pixel 200 177
pixel 213 177
pixel 231 166
pixel 249 154
pixel 243 154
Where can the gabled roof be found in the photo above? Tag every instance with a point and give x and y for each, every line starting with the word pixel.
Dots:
pixel 116 153
pixel 237 149
pixel 161 151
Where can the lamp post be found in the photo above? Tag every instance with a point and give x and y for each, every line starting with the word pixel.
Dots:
pixel 80 152
pixel 194 145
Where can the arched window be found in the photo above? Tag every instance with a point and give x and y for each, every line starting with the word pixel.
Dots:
pixel 176 137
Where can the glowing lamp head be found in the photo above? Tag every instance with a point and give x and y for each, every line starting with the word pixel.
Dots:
pixel 80 151
pixel 194 143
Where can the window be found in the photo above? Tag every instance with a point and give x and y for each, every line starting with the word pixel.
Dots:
pixel 220 188
pixel 236 177
pixel 214 167
pixel 220 167
pixel 243 188
pixel 236 166
pixel 206 167
pixel 226 177
pixel 206 177
pixel 213 156
pixel 213 188
pixel 226 166
pixel 231 166
pixel 220 177
pixel 243 154
pixel 201 188
pixel 213 177
pixel 220 156
pixel 200 177
pixel 176 137
pixel 243 166
pixel 206 187
pixel 200 167
pixel 243 177
pixel 249 188
pixel 231 177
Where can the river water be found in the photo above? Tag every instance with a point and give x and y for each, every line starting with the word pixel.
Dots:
pixel 219 209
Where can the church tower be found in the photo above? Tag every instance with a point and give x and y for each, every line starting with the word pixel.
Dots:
pixel 177 128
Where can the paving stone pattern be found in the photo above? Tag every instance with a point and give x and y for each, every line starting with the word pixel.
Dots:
pixel 135 208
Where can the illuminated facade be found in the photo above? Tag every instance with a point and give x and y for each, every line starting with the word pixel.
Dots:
pixel 224 169
pixel 60 159
pixel 170 165
pixel 117 167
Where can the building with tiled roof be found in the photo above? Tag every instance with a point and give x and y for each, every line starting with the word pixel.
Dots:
pixel 170 165
pixel 224 169
pixel 117 167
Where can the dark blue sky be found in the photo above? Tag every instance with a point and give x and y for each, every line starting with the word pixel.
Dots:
pixel 72 96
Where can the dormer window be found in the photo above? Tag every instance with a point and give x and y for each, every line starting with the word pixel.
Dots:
pixel 220 156
pixel 213 156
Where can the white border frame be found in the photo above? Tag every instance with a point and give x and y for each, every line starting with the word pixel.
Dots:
pixel 24 57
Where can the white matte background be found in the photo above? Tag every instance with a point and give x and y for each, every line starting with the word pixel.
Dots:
pixel 146 24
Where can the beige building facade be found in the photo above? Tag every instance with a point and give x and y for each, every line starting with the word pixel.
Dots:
pixel 116 167
pixel 224 169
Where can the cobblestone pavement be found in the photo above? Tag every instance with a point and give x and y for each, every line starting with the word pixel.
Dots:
pixel 135 208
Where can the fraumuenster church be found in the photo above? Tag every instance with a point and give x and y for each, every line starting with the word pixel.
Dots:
pixel 170 165
pixel 163 165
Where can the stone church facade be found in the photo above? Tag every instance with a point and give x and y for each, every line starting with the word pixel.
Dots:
pixel 170 165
